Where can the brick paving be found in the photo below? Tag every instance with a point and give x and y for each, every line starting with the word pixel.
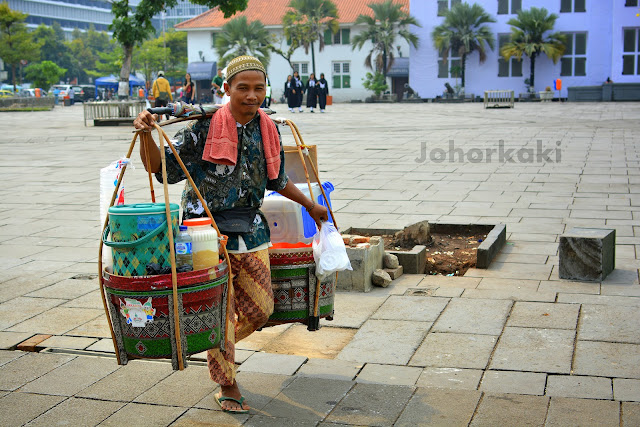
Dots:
pixel 495 342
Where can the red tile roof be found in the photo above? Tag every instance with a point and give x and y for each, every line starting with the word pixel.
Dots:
pixel 270 13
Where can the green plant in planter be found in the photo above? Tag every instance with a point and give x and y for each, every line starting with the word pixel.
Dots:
pixel 375 83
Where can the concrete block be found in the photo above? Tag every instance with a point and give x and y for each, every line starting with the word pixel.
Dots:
pixel 332 369
pixel 607 359
pixel 371 404
pixel 582 412
pixel 514 382
pixel 511 409
pixel 454 351
pixel 626 390
pixel 364 262
pixel 587 254
pixel 389 374
pixel 534 350
pixel 413 261
pixel 283 364
pixel 439 407
pixel 394 273
pixel 456 378
pixel 490 247
pixel 580 387
pixel 310 399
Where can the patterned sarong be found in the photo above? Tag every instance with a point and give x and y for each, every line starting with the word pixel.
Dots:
pixel 252 302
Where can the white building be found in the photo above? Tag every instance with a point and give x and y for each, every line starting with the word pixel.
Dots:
pixel 343 67
pixel 603 41
pixel 81 14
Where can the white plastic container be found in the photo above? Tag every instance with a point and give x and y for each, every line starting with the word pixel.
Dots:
pixel 204 243
pixel 288 221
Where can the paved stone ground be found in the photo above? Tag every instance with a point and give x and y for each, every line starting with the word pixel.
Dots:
pixel 510 345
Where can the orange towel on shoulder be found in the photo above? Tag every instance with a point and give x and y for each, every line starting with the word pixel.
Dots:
pixel 221 146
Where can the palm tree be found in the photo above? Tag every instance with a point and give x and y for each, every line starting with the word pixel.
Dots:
pixel 307 23
pixel 463 31
pixel 388 22
pixel 239 37
pixel 528 38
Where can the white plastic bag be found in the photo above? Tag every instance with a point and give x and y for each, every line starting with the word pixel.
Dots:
pixel 108 179
pixel 329 251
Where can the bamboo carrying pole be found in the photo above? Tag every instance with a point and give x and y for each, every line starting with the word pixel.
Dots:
pixel 314 321
pixel 104 226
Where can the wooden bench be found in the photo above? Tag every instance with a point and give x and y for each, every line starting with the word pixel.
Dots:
pixel 498 99
pixel 112 113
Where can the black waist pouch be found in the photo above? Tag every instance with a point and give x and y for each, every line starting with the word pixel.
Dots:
pixel 235 221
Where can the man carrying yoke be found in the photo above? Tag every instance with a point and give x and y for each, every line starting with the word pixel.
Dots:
pixel 233 157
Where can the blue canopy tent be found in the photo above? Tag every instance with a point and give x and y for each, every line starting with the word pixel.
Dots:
pixel 111 82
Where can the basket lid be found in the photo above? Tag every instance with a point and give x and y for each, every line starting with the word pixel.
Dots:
pixel 142 208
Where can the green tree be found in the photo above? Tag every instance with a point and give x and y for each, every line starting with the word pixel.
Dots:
pixel 377 83
pixel 149 57
pixel 131 27
pixel 387 23
pixel 44 74
pixel 16 43
pixel 307 23
pixel 176 44
pixel 52 41
pixel 240 37
pixel 108 62
pixel 463 31
pixel 530 36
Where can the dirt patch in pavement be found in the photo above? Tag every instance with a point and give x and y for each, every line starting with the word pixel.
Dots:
pixel 451 250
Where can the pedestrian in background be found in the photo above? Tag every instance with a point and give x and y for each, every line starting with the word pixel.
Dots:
pixel 162 91
pixel 312 98
pixel 216 87
pixel 290 93
pixel 72 96
pixel 299 90
pixel 323 91
pixel 188 90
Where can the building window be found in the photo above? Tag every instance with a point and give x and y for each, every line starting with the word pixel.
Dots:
pixel 213 40
pixel 512 67
pixel 574 60
pixel 631 49
pixel 445 5
pixel 343 36
pixel 303 70
pixel 573 6
pixel 341 75
pixel 633 3
pixel 444 68
pixel 503 6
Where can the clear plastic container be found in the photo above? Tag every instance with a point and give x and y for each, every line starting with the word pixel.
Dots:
pixel 204 243
pixel 184 252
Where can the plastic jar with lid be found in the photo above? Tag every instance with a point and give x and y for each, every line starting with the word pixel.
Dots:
pixel 204 242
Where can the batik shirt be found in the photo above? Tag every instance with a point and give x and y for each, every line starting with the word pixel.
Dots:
pixel 225 187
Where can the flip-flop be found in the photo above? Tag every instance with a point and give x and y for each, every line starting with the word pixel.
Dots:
pixel 219 399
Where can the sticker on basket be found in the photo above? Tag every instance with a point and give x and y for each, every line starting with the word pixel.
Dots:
pixel 137 313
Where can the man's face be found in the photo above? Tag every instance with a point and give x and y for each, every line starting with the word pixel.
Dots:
pixel 246 91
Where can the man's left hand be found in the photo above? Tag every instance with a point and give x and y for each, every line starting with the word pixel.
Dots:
pixel 319 214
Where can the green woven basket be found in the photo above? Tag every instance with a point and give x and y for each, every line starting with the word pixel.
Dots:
pixel 139 236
